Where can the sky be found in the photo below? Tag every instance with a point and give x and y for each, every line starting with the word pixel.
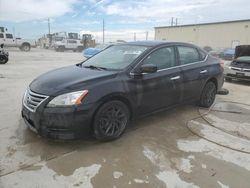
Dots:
pixel 123 18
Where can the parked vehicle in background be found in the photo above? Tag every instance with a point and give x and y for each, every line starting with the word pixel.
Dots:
pixel 239 68
pixel 102 94
pixel 68 44
pixel 227 53
pixel 89 52
pixel 10 41
pixel 4 56
pixel 216 53
pixel 88 41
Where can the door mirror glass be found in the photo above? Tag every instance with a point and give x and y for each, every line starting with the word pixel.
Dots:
pixel 148 68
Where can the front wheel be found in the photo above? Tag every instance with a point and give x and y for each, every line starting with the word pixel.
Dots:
pixel 111 120
pixel 208 95
pixel 3 60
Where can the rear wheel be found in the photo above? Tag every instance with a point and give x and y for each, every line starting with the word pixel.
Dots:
pixel 208 95
pixel 79 48
pixel 111 120
pixel 25 47
pixel 60 49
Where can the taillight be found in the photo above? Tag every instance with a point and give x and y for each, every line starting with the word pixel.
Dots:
pixel 221 63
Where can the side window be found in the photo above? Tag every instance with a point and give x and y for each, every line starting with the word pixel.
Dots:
pixel 72 42
pixel 188 55
pixel 9 36
pixel 1 35
pixel 163 58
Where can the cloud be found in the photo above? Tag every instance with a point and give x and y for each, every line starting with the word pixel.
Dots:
pixel 114 35
pixel 27 10
pixel 161 11
pixel 151 9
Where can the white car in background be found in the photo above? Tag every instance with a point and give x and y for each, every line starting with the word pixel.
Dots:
pixel 239 68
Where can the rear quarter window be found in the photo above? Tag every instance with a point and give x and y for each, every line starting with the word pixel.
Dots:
pixel 188 55
pixel 203 55
pixel 1 35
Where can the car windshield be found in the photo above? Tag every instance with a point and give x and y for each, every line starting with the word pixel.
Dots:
pixel 102 46
pixel 116 57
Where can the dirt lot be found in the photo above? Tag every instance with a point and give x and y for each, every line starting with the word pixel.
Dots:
pixel 176 148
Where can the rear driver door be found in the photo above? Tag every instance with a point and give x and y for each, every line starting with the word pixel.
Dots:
pixel 194 72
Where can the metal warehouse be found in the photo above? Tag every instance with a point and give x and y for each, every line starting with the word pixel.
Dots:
pixel 216 35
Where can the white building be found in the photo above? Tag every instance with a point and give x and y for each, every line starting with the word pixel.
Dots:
pixel 216 35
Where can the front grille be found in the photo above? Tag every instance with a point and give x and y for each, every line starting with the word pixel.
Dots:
pixel 32 100
pixel 240 69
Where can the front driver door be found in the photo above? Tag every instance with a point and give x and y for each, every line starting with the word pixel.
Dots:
pixel 162 88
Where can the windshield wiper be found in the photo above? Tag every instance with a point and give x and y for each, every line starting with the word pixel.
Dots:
pixel 95 67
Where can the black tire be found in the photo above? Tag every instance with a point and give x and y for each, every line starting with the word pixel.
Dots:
pixel 62 48
pixel 25 47
pixel 111 120
pixel 228 79
pixel 79 49
pixel 208 95
pixel 4 60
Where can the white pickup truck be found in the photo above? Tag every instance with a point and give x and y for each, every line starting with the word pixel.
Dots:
pixel 9 41
pixel 68 44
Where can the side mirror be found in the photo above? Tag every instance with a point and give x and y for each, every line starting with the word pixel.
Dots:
pixel 148 68
pixel 1 45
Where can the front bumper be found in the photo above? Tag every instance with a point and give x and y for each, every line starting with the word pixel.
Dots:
pixel 236 74
pixel 59 123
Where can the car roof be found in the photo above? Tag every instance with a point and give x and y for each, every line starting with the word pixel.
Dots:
pixel 154 43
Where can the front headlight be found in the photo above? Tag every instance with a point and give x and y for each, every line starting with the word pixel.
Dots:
pixel 68 99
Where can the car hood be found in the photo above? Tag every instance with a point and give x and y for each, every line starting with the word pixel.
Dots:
pixel 243 50
pixel 67 79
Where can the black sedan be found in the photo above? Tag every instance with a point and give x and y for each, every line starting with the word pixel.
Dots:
pixel 101 95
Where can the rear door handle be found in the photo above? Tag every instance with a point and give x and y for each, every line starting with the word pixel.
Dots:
pixel 203 71
pixel 175 78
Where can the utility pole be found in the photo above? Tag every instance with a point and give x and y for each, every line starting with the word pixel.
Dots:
pixel 14 32
pixel 103 30
pixel 49 25
pixel 134 36
pixel 172 21
pixel 146 35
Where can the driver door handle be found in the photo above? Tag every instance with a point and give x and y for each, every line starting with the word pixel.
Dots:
pixel 175 78
pixel 203 71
